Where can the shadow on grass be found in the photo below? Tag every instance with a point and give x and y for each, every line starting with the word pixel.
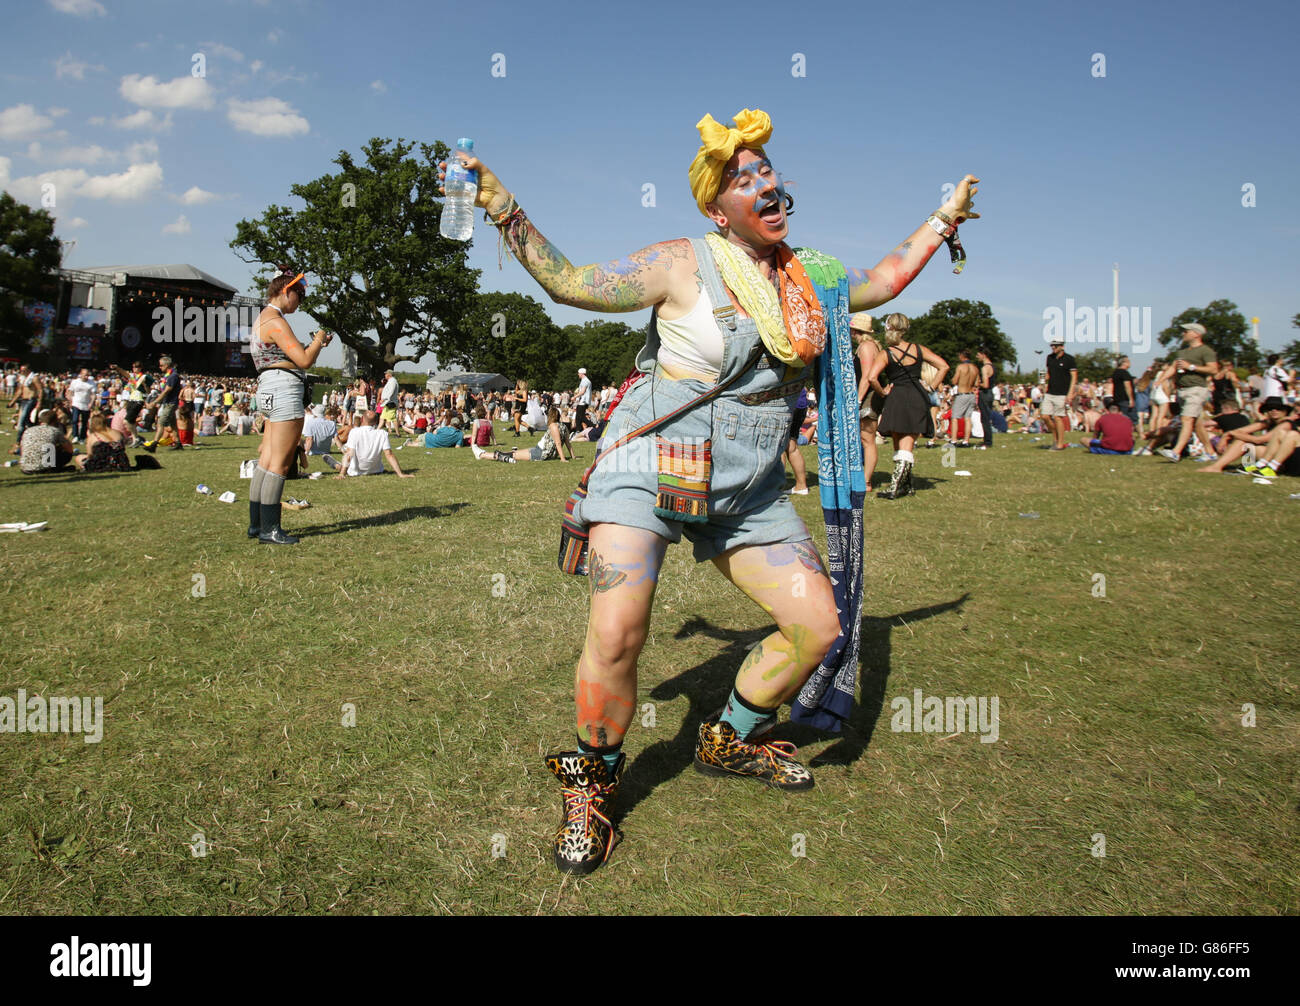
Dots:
pixel 707 685
pixel 58 477
pixel 395 517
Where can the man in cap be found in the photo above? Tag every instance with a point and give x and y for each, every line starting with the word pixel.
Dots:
pixel 581 399
pixel 1062 378
pixel 1193 364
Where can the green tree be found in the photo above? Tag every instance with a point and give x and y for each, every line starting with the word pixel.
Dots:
pixel 368 239
pixel 1225 332
pixel 1095 365
pixel 29 260
pixel 951 325
pixel 606 348
pixel 511 334
pixel 1291 351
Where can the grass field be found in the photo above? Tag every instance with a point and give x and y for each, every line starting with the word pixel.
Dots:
pixel 433 606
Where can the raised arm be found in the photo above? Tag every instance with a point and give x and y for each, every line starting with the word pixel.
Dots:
pixel 869 288
pixel 639 280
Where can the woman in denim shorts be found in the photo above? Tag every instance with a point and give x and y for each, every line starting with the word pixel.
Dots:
pixel 712 474
pixel 280 360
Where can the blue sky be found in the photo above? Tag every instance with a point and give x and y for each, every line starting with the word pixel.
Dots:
pixel 1144 166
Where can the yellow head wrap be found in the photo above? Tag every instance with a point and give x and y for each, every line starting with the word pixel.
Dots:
pixel 753 128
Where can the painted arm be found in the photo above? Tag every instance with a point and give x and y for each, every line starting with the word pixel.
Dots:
pixel 627 284
pixel 869 288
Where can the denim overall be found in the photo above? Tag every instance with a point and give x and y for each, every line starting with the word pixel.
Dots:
pixel 748 426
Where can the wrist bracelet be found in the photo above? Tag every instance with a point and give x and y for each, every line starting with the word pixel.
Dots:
pixel 944 230
pixel 503 218
pixel 944 217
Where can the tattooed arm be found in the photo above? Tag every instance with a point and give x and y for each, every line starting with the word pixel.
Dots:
pixel 869 288
pixel 639 280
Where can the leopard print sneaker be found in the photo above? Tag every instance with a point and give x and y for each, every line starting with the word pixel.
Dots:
pixel 585 836
pixel 721 752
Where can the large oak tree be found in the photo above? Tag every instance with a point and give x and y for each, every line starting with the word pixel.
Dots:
pixel 378 270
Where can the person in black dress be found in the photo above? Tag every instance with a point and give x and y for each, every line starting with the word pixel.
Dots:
pixel 906 415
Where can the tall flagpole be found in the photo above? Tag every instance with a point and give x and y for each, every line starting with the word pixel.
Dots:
pixel 1114 316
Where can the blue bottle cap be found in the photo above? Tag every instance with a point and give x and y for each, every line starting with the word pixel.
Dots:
pixel 465 143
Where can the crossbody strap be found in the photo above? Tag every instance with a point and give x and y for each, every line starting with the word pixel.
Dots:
pixel 655 424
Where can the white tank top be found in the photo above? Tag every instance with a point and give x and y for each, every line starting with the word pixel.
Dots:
pixel 692 342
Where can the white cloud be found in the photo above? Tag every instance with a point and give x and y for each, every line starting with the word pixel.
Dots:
pixel 180 226
pixel 75 223
pixel 90 154
pixel 4 172
pixel 29 188
pixel 144 119
pixel 266 117
pixel 54 112
pixel 256 65
pixel 273 36
pixel 68 65
pixel 96 120
pixel 217 49
pixel 182 92
pixel 195 196
pixel 378 86
pixel 18 122
pixel 135 182
pixel 145 150
pixel 81 8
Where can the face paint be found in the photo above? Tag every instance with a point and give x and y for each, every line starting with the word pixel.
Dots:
pixel 751 189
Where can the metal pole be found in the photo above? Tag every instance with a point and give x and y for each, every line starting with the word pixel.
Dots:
pixel 1114 316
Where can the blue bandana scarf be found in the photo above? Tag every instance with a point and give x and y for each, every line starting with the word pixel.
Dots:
pixel 826 700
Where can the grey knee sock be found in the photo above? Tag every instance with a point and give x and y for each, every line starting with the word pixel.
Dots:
pixel 272 488
pixel 255 488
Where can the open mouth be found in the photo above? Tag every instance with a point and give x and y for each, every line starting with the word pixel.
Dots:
pixel 772 213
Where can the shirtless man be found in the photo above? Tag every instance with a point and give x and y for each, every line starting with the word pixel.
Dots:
pixel 966 378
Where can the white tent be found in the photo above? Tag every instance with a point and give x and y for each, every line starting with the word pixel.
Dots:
pixel 477 382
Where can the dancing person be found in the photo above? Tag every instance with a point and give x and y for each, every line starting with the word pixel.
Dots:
pixel 281 362
pixel 907 405
pixel 717 303
pixel 870 404
pixel 554 444
pixel 167 401
pixel 28 393
pixel 1062 383
pixel 518 405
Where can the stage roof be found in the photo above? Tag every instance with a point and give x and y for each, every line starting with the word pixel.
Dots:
pixel 180 273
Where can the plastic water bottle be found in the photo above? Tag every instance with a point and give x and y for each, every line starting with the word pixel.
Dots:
pixel 462 189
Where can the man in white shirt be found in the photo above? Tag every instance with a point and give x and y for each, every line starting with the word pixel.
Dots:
pixel 81 394
pixel 367 447
pixel 582 398
pixel 1275 379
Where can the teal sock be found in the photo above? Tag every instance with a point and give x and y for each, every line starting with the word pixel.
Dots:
pixel 611 754
pixel 744 716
